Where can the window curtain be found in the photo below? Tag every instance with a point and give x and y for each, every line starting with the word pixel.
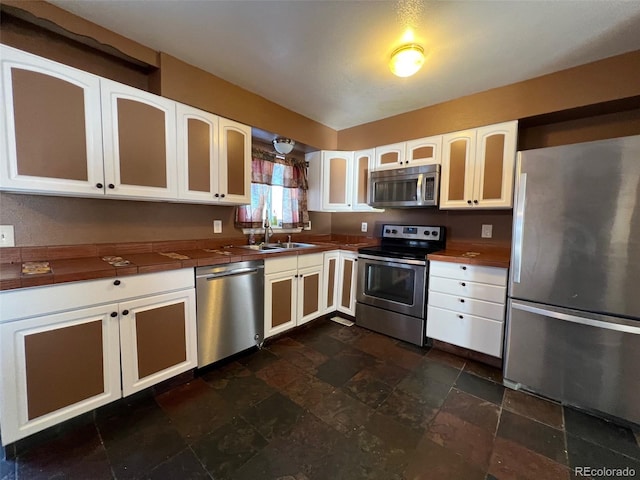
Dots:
pixel 268 170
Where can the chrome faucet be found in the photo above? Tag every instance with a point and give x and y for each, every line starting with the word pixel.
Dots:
pixel 267 228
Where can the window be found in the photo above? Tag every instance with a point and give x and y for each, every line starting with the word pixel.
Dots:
pixel 278 193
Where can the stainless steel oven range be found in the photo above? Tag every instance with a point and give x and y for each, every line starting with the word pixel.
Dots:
pixel 392 281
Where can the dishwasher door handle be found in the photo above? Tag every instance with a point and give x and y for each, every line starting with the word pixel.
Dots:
pixel 230 273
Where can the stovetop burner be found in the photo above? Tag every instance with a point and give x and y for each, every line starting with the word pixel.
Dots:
pixel 408 241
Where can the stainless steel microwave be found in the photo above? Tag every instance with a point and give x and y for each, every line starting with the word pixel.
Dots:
pixel 405 187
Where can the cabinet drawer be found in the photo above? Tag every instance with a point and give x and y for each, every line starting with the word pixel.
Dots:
pixel 474 273
pixel 29 302
pixel 481 291
pixel 280 264
pixel 475 333
pixel 472 306
pixel 310 260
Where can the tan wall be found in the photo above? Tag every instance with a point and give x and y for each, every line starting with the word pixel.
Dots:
pixel 191 85
pixel 602 81
pixel 462 226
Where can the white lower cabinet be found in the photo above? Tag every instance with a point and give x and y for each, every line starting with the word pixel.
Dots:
pixel 466 306
pixel 293 291
pixel 347 275
pixel 64 347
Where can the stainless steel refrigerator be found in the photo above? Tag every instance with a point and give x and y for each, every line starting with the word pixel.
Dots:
pixel 573 320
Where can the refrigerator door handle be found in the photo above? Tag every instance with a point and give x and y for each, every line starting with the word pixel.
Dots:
pixel 618 327
pixel 518 227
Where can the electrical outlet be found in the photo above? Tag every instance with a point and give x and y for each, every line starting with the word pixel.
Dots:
pixel 7 238
pixel 364 226
pixel 487 231
pixel 217 226
pixel 307 226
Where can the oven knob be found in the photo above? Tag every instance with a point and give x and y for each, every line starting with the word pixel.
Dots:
pixel 394 231
pixel 427 232
pixel 434 233
pixel 387 231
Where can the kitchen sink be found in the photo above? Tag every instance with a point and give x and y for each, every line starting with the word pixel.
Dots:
pixel 276 247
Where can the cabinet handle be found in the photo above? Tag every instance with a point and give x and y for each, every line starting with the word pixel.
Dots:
pixel 401 163
pixel 463 284
pixel 460 316
pixel 112 186
pixel 117 282
pixel 99 185
pixel 217 195
pixel 462 300
pixel 222 195
pixel 114 314
pixel 469 202
pixel 355 259
pixel 125 312
pixel 475 201
pixel 463 267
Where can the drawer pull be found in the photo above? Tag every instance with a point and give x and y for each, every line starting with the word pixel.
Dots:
pixel 460 316
pixel 463 284
pixel 462 300
pixel 464 268
pixel 117 282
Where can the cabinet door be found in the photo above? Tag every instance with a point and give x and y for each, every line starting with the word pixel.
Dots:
pixel 390 156
pixel 50 127
pixel 495 159
pixel 234 165
pixel 457 175
pixel 424 151
pixel 309 294
pixel 158 339
pixel 197 140
pixel 139 131
pixel 337 184
pixel 330 282
pixel 347 286
pixel 55 367
pixel 362 166
pixel 280 297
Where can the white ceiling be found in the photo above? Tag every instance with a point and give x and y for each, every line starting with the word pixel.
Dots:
pixel 327 60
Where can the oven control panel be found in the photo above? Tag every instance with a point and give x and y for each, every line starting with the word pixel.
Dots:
pixel 412 232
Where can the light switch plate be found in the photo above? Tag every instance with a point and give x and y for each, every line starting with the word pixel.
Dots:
pixel 364 226
pixel 217 226
pixel 487 231
pixel 7 238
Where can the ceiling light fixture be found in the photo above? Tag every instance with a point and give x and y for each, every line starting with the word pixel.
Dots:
pixel 407 60
pixel 283 145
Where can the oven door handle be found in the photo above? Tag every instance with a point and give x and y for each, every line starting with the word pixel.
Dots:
pixel 400 261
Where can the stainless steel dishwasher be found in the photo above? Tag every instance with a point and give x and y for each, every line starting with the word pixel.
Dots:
pixel 230 309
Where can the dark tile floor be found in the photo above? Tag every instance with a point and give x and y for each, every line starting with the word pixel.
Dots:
pixel 331 402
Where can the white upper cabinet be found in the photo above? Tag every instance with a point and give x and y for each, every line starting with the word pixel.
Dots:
pixel 339 181
pixel 139 131
pixel 50 127
pixel 477 167
pixel 422 151
pixel 390 156
pixel 214 159
pixel 234 163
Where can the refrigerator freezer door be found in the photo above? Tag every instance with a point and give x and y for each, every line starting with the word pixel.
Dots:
pixel 577 227
pixel 587 360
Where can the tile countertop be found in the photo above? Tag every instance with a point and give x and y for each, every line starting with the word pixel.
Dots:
pixel 474 254
pixel 92 267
